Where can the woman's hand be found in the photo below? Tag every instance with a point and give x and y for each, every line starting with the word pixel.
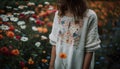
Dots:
pixel 51 66
pixel 87 60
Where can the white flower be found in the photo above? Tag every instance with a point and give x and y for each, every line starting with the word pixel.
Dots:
pixel 47 3
pixel 21 7
pixel 34 28
pixel 21 22
pixel 32 19
pixel 4 27
pixel 31 12
pixel 16 13
pixel 43 37
pixel 10 16
pixel 8 7
pixel 51 8
pixel 23 26
pixel 25 6
pixel 14 19
pixel 15 8
pixel 5 19
pixel 16 30
pixel 2 16
pixel 24 39
pixel 25 13
pixel 37 44
pixel 31 3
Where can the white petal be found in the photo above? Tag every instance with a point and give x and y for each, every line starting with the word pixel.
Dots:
pixel 24 39
pixel 37 44
pixel 34 28
pixel 23 26
pixel 43 37
pixel 21 22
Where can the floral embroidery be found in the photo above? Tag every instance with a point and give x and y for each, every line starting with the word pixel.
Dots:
pixel 70 31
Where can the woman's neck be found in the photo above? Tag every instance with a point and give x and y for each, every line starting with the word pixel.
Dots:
pixel 69 14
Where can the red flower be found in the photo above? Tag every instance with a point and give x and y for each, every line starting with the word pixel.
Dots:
pixel 30 61
pixel 1 22
pixel 22 64
pixel 5 23
pixel 34 16
pixel 49 24
pixel 15 52
pixel 21 16
pixel 45 30
pixel 38 22
pixel 0 19
pixel 25 68
pixel 18 37
pixel 49 11
pixel 1 36
pixel 44 60
pixel 10 34
pixel 11 28
pixel 4 50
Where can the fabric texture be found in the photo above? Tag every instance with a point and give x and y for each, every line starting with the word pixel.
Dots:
pixel 74 39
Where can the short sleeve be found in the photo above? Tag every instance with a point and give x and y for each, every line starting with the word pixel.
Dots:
pixel 92 38
pixel 53 34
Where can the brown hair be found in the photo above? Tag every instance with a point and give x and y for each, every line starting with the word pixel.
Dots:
pixel 76 7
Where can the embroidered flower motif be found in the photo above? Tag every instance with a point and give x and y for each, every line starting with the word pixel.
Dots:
pixel 62 22
pixel 74 34
pixel 63 55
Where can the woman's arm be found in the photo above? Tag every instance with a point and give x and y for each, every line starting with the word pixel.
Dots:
pixel 53 56
pixel 87 60
pixel 92 39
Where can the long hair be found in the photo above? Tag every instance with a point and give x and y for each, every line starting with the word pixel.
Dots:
pixel 76 7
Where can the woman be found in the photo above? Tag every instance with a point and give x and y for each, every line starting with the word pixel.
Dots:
pixel 74 36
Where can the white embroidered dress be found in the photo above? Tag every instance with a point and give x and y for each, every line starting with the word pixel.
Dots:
pixel 74 39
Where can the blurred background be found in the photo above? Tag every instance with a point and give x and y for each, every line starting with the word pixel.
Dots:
pixel 26 24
